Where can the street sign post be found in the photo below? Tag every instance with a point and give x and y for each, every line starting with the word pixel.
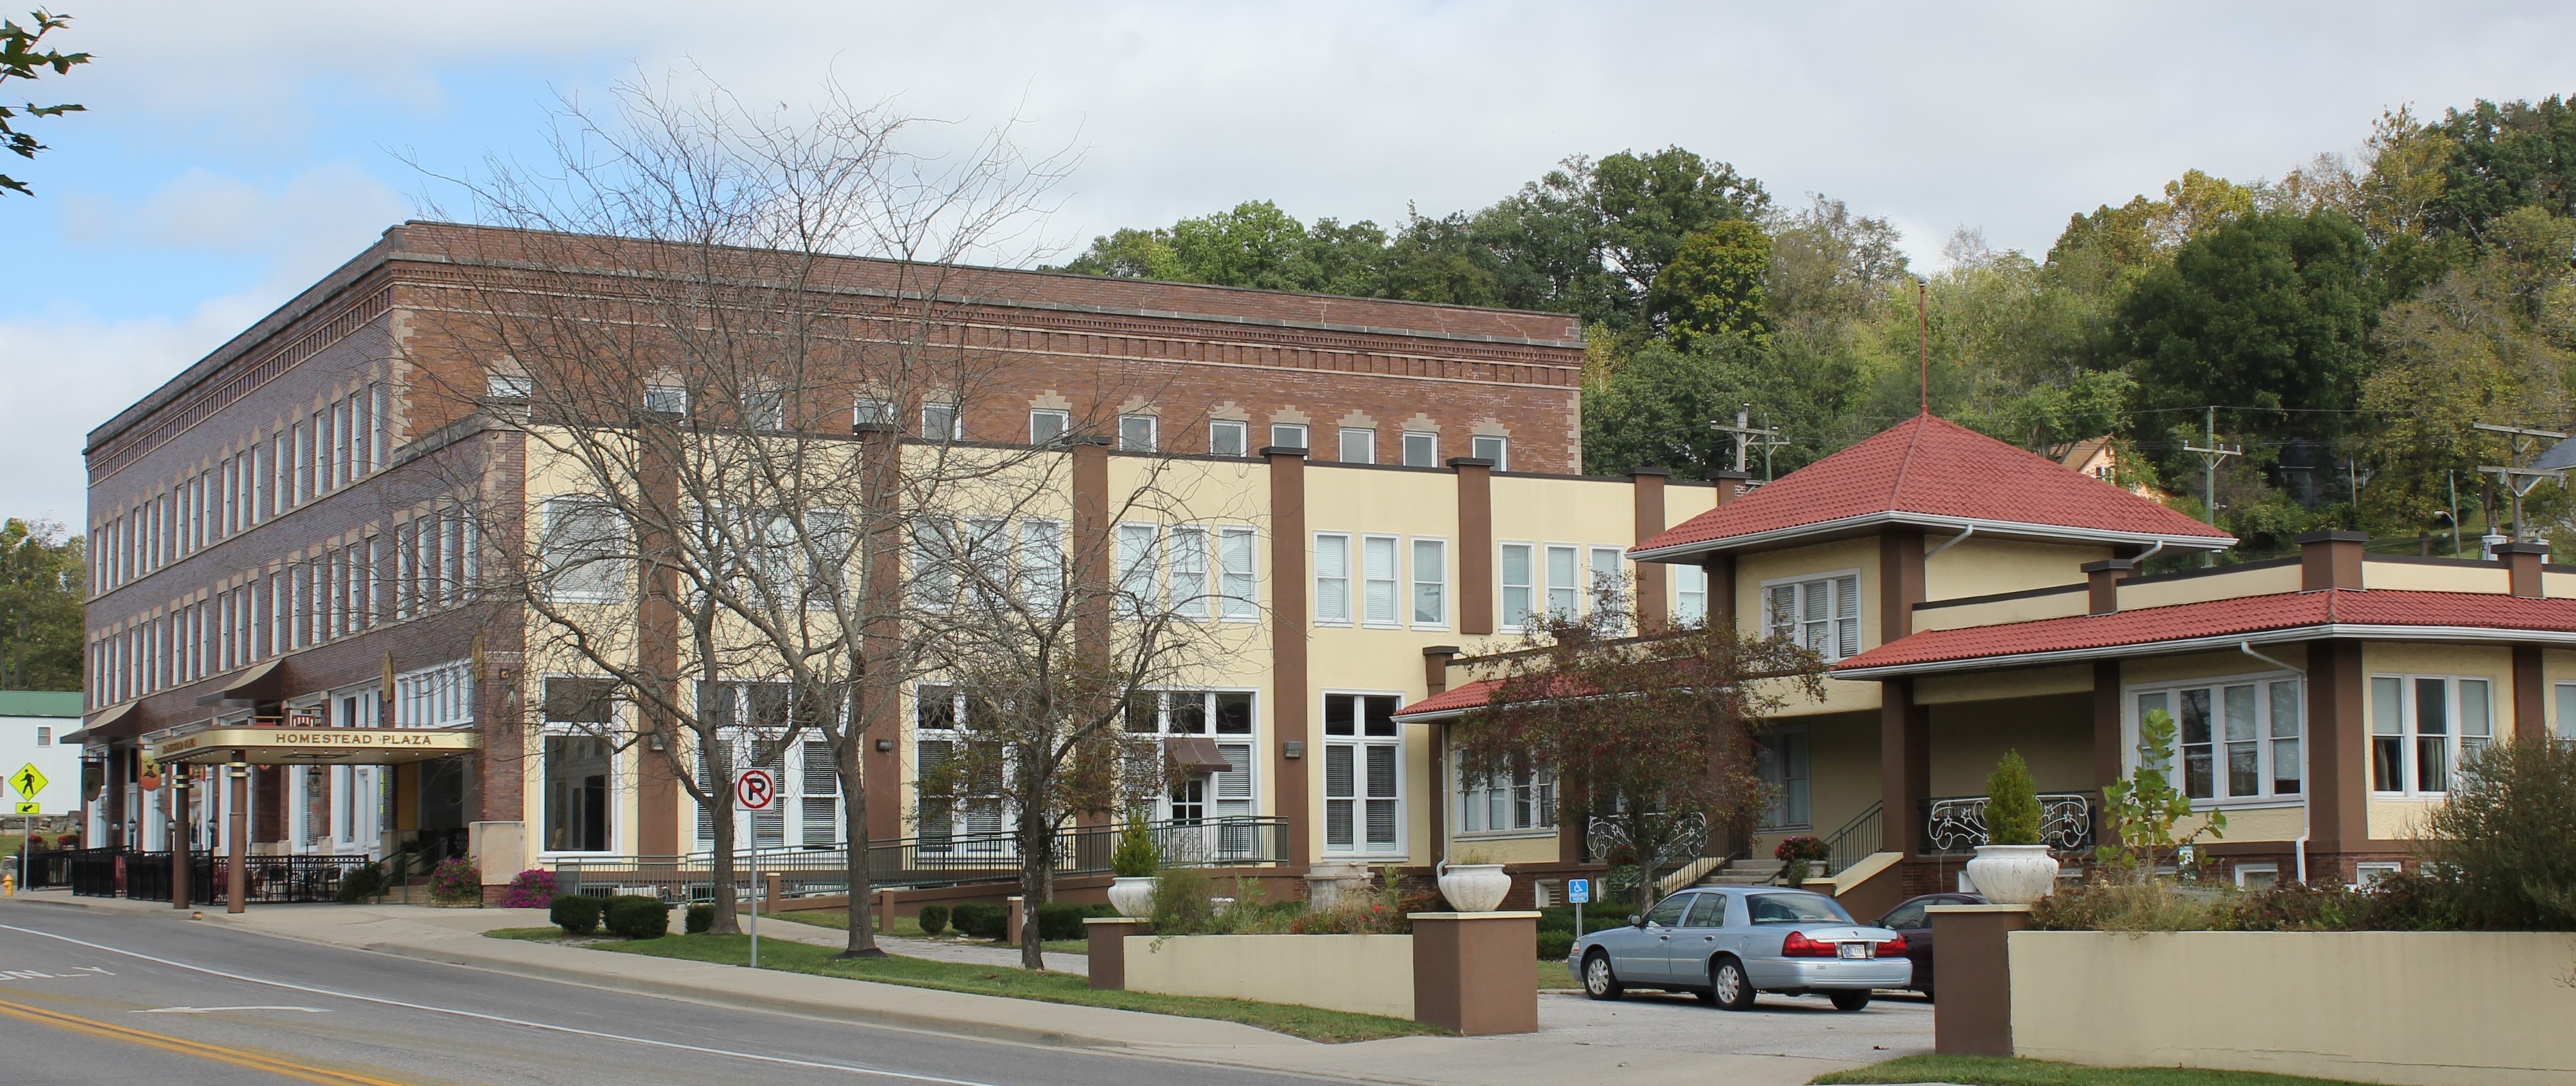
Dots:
pixel 754 790
pixel 1577 893
pixel 28 781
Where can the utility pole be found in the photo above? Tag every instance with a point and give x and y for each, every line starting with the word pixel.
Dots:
pixel 2211 452
pixel 1745 432
pixel 2517 479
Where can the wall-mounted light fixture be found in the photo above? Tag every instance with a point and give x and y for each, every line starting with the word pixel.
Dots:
pixel 1293 749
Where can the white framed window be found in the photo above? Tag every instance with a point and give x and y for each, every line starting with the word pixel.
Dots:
pixel 764 409
pixel 584 550
pixel 579 795
pixel 752 720
pixel 1520 801
pixel 1690 593
pixel 44 736
pixel 1236 585
pixel 1564 583
pixel 1608 582
pixel 1421 450
pixel 2370 871
pixel 1822 613
pixel 817 795
pixel 1186 562
pixel 1041 563
pixel 509 386
pixel 2566 722
pixel 1048 425
pixel 1363 775
pixel 934 562
pixel 438 696
pixel 1136 565
pixel 942 421
pixel 1332 579
pixel 666 399
pixel 937 711
pixel 867 411
pixel 2236 738
pixel 1491 447
pixel 1359 445
pixel 2422 725
pixel 1520 592
pixel 1229 793
pixel 1288 435
pixel 1228 437
pixel 1378 580
pixel 1430 583
pixel 2252 876
pixel 1136 433
pixel 1780 759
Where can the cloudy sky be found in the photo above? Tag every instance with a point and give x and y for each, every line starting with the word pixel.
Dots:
pixel 235 152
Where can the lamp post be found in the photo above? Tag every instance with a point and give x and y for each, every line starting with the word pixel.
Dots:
pixel 180 774
pixel 236 827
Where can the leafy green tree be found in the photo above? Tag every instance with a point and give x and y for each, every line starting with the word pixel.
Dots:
pixel 2270 311
pixel 40 607
pixel 1713 286
pixel 2145 810
pixel 2504 156
pixel 19 59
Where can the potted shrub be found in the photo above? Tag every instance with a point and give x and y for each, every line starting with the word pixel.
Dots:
pixel 1800 855
pixel 1472 883
pixel 2012 867
pixel 1132 867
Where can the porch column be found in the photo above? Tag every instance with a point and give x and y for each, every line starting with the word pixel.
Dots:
pixel 2338 755
pixel 2108 750
pixel 2530 694
pixel 1291 694
pixel 1904 766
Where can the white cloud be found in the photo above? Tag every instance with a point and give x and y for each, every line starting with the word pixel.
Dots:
pixel 317 218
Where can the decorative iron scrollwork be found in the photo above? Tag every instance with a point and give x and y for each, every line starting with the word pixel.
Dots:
pixel 1958 823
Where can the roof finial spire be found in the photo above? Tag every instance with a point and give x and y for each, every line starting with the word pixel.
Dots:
pixel 1923 341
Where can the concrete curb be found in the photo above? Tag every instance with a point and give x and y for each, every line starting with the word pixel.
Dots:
pixel 701 994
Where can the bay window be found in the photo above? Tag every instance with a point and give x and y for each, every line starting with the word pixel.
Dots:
pixel 1520 800
pixel 2235 738
pixel 2422 725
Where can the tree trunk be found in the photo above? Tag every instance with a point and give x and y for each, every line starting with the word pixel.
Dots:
pixel 1037 859
pixel 720 856
pixel 862 910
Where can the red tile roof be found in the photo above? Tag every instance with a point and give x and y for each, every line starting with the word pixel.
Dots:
pixel 1455 699
pixel 2244 616
pixel 1932 471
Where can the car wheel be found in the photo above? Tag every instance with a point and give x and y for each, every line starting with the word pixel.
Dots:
pixel 1728 987
pixel 1850 1001
pixel 1598 981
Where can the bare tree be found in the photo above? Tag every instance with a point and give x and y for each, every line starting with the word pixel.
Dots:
pixel 716 495
pixel 1650 739
pixel 1056 645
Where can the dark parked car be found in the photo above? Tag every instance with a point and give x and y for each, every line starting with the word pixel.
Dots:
pixel 1911 921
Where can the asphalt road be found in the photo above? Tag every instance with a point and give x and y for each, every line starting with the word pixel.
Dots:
pixel 99 998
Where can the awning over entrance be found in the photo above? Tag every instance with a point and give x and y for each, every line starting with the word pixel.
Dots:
pixel 306 746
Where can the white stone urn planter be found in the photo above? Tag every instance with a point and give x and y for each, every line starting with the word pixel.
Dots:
pixel 1132 896
pixel 2013 874
pixel 1473 888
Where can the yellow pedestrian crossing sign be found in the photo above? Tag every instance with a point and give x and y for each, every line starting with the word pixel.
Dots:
pixel 28 782
pixel 29 806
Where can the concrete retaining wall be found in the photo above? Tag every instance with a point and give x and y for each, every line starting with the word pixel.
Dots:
pixel 1370 974
pixel 2431 1008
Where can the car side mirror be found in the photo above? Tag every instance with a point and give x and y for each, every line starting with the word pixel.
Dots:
pixel 1636 921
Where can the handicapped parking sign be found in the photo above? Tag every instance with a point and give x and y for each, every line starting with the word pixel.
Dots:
pixel 1578 891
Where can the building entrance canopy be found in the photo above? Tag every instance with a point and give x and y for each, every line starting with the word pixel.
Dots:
pixel 258 745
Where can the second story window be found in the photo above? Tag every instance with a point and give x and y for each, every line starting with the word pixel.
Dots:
pixel 868 412
pixel 1047 425
pixel 1136 433
pixel 1227 437
pixel 2420 728
pixel 1690 593
pixel 942 421
pixel 764 409
pixel 1519 588
pixel 666 399
pixel 1332 579
pixel 1491 447
pixel 1377 569
pixel 1822 613
pixel 1359 445
pixel 1430 582
pixel 1421 450
pixel 1288 435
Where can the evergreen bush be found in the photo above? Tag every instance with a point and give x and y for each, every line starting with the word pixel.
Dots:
pixel 634 916
pixel 1063 920
pixel 1553 946
pixel 361 883
pixel 1137 856
pixel 980 920
pixel 576 914
pixel 2012 803
pixel 934 919
pixel 700 919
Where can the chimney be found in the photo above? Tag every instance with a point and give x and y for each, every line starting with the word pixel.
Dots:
pixel 1435 668
pixel 2522 566
pixel 1729 484
pixel 2330 560
pixel 2102 581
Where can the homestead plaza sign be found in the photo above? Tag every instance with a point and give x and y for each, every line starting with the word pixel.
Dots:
pixel 287 746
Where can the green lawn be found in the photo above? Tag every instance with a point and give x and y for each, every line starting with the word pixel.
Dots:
pixel 1553 974
pixel 910 928
pixel 1997 1071
pixel 1312 1023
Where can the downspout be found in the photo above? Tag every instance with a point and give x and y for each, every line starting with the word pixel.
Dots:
pixel 2148 553
pixel 1953 541
pixel 2306 788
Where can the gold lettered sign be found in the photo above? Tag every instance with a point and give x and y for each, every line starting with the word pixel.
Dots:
pixel 274 746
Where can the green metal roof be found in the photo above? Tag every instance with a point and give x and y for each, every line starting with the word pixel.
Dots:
pixel 40 703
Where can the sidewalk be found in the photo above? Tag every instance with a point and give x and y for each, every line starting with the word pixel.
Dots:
pixel 937 950
pixel 1564 1053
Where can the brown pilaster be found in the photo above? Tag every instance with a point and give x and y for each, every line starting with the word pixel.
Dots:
pixel 1475 544
pixel 1292 694
pixel 657 645
pixel 880 701
pixel 2338 749
pixel 1435 668
pixel 2330 560
pixel 2108 750
pixel 2530 695
pixel 1900 581
pixel 1091 556
pixel 1904 765
pixel 1720 573
pixel 1654 604
pixel 2522 566
pixel 2102 583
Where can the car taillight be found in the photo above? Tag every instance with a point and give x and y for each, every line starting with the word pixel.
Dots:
pixel 1893 948
pixel 1797 945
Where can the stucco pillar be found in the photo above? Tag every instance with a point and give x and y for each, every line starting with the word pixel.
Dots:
pixel 1654 596
pixel 1471 971
pixel 1475 544
pixel 1974 1014
pixel 1904 766
pixel 2338 754
pixel 1292 695
pixel 1108 935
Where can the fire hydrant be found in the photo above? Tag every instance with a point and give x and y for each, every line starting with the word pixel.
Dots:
pixel 8 884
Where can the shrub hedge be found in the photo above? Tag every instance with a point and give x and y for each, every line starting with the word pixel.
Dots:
pixel 700 919
pixel 634 916
pixel 1063 920
pixel 1553 946
pixel 576 914
pixel 980 920
pixel 934 919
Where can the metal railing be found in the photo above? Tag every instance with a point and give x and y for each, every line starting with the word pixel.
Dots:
pixel 1954 824
pixel 48 868
pixel 1857 839
pixel 938 860
pixel 268 880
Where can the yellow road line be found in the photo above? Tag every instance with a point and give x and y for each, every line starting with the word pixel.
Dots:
pixel 238 1057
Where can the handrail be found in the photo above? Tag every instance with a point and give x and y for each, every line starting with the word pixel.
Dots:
pixel 1855 839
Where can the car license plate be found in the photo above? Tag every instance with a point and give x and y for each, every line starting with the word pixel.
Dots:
pixel 1855 950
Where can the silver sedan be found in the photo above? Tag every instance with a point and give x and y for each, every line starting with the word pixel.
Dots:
pixel 1727 943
